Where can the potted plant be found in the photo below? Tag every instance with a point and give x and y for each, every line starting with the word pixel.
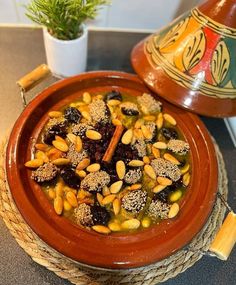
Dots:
pixel 65 34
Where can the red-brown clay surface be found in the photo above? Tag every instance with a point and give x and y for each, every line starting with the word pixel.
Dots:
pixel 116 251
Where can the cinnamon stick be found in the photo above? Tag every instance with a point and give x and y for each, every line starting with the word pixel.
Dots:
pixel 113 144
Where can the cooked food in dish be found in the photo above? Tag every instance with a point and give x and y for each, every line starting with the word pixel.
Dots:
pixel 112 162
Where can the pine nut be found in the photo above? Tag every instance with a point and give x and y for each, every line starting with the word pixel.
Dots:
pixel 58 205
pixel 136 163
pixel 55 114
pixel 158 188
pixel 34 163
pixel 149 149
pixel 186 179
pixel 59 188
pixel 131 224
pixel 116 122
pixel 61 161
pixel 93 167
pixel 86 115
pixel 72 105
pixel 175 196
pixel 160 145
pixel 116 186
pixel 116 206
pixel 67 206
pixel 138 123
pixel 87 98
pixel 114 227
pixel 145 110
pixel 71 198
pixel 185 168
pixel 78 144
pixel 146 222
pixel 54 153
pixel 156 152
pixel 60 139
pixel 127 137
pixel 101 229
pixel 171 158
pixel 81 173
pixel 150 171
pixel 93 135
pixel 138 134
pixel 42 155
pixel 98 97
pixel 106 191
pixel 88 201
pixel 100 198
pixel 159 121
pixel 41 146
pixel 135 186
pixel 120 169
pixel 83 164
pixel 146 160
pixel 69 189
pixel 72 138
pixel 83 194
pixel 147 134
pixel 164 181
pixel 62 146
pixel 113 102
pixel 168 118
pixel 149 118
pixel 83 108
pixel 108 199
pixel 174 210
pixel 79 104
pixel 111 109
pixel 51 194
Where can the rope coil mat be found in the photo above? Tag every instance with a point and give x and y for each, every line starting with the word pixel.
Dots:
pixel 77 274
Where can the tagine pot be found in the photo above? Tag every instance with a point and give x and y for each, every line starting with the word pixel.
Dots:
pixel 192 63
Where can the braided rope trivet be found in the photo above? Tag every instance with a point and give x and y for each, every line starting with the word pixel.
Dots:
pixel 79 275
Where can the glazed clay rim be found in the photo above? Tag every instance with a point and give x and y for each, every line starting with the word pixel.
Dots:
pixel 192 100
pixel 118 251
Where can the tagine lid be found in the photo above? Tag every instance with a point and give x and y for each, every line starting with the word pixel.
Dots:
pixel 191 62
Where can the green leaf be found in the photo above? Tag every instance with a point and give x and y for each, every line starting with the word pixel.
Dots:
pixel 63 18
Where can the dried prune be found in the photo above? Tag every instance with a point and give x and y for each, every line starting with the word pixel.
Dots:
pixel 96 149
pixel 169 133
pixel 129 112
pixel 55 130
pixel 100 215
pixel 125 153
pixel 164 194
pixel 113 95
pixel 129 109
pixel 69 177
pixel 72 115
pixel 110 168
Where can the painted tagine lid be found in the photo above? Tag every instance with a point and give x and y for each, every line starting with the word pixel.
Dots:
pixel 192 62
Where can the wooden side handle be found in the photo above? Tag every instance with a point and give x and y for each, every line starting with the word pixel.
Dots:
pixel 33 78
pixel 225 239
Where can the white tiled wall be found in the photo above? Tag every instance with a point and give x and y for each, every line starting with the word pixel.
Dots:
pixel 131 14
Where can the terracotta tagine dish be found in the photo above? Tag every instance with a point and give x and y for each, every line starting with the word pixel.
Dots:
pixel 47 143
pixel 191 62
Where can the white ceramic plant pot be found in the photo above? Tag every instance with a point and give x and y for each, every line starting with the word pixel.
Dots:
pixel 66 58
